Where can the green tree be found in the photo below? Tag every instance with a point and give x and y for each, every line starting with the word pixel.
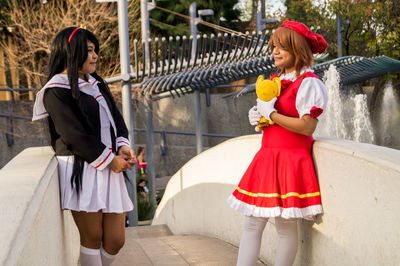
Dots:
pixel 245 7
pixel 316 15
pixel 164 24
pixel 371 28
pixel 383 22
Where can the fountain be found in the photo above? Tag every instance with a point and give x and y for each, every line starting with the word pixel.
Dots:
pixel 331 124
pixel 389 117
pixel 344 117
pixel 362 128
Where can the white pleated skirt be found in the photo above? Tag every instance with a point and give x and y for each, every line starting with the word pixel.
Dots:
pixel 101 190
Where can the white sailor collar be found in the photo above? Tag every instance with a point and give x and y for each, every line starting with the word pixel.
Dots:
pixel 61 81
pixel 292 75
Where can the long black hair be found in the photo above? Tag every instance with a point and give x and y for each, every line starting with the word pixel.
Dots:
pixel 69 52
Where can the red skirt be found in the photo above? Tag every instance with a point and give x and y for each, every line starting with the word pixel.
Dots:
pixel 281 180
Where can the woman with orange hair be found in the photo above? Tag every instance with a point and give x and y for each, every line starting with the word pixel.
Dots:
pixel 281 182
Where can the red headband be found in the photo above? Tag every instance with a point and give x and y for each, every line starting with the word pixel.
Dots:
pixel 316 41
pixel 72 34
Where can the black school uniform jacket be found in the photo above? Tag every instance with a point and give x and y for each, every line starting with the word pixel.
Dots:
pixel 75 126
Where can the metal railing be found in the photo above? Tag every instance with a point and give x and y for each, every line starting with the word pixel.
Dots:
pixel 163 133
pixel 218 59
pixel 18 89
pixel 10 117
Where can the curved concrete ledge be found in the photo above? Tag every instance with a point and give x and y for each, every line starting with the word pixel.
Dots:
pixel 33 229
pixel 359 186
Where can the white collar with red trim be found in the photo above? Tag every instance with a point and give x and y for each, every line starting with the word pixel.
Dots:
pixel 60 81
pixel 292 75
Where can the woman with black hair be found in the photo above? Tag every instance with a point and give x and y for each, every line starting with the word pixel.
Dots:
pixel 90 139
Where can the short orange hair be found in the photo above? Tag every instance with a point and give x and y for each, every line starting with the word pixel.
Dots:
pixel 296 45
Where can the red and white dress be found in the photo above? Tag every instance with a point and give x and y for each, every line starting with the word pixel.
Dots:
pixel 281 180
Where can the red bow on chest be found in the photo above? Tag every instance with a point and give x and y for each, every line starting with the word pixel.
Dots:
pixel 285 83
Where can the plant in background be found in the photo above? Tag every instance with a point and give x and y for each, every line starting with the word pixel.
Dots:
pixel 145 208
pixel 159 195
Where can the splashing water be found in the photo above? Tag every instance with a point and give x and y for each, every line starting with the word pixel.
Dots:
pixel 346 118
pixel 389 114
pixel 331 124
pixel 362 129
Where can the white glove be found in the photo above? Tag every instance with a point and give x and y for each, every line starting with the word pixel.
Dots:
pixel 254 116
pixel 266 108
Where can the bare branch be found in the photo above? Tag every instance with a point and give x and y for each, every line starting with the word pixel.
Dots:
pixel 34 25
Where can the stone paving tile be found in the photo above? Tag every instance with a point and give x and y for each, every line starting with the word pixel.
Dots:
pixel 204 251
pixel 155 245
pixel 160 253
pixel 132 254
pixel 147 231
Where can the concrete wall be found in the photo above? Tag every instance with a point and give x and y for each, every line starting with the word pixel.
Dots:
pixel 224 116
pixel 359 186
pixel 33 229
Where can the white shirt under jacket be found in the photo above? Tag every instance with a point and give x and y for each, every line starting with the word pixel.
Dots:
pixel 102 188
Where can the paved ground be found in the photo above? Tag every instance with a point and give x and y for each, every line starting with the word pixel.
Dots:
pixel 155 245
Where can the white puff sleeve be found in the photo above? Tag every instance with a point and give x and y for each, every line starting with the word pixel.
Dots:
pixel 311 98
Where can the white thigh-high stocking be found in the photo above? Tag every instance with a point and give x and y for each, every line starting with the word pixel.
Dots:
pixel 250 242
pixel 90 257
pixel 106 258
pixel 287 248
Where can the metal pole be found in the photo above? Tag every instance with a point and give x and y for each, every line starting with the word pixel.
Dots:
pixel 148 111
pixel 193 28
pixel 258 22
pixel 148 105
pixel 144 17
pixel 197 100
pixel 199 139
pixel 127 98
pixel 339 35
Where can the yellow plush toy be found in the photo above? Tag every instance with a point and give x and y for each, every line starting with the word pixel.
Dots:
pixel 266 90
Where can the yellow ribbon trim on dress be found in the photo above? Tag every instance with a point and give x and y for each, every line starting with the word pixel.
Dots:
pixel 276 195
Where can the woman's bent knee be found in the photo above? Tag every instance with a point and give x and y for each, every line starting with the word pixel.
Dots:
pixel 112 246
pixel 91 240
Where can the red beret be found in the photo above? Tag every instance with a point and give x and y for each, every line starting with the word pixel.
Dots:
pixel 315 40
